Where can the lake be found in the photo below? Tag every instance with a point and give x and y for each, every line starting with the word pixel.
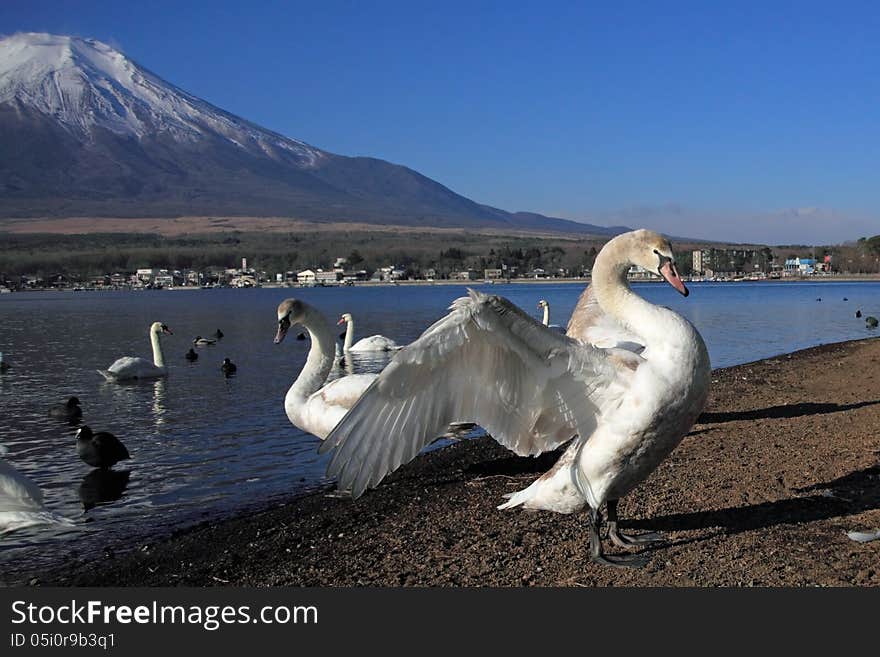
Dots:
pixel 205 446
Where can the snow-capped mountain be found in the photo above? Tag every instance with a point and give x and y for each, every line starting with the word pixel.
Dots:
pixel 85 84
pixel 85 131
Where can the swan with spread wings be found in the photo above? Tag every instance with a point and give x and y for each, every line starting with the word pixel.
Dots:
pixel 626 405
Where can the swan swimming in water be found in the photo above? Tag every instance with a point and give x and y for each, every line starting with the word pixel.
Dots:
pixel 545 305
pixel 309 404
pixel 132 367
pixel 534 390
pixel 372 343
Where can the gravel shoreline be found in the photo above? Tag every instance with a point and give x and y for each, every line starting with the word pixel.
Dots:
pixel 784 461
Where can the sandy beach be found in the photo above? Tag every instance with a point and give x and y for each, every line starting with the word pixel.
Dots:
pixel 784 461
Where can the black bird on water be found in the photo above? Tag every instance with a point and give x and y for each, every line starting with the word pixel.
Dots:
pixel 858 314
pixel 69 410
pixel 99 450
pixel 228 367
pixel 218 334
pixel 191 355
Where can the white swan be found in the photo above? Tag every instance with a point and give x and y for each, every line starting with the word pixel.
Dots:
pixel 132 367
pixel 534 390
pixel 308 405
pixel 543 303
pixel 21 501
pixel 372 343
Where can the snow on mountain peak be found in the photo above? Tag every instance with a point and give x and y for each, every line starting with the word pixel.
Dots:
pixel 84 84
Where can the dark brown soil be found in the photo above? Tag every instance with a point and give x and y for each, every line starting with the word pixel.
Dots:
pixel 784 461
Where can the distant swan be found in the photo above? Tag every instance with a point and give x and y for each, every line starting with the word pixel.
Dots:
pixel 534 390
pixel 308 405
pixel 372 343
pixel 546 320
pixel 132 367
pixel 21 502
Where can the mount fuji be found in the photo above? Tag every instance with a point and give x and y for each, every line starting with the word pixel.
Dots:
pixel 85 131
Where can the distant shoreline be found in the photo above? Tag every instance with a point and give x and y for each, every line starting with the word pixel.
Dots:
pixel 863 278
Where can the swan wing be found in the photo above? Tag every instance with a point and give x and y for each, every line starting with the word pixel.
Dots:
pixel 487 362
pixel 17 492
pixel 589 323
pixel 21 502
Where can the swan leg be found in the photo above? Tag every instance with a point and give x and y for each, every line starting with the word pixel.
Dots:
pixel 627 540
pixel 597 556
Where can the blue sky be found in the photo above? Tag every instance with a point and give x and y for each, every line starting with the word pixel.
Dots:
pixel 751 121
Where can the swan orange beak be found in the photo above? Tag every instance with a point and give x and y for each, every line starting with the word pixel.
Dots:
pixel 668 272
pixel 341 321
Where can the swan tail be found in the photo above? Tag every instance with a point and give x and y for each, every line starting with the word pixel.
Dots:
pixel 515 499
pixel 546 494
pixel 107 374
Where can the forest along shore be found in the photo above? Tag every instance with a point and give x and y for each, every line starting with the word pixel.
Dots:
pixel 785 460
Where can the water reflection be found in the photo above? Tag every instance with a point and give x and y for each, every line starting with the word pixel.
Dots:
pixel 102 486
pixel 159 409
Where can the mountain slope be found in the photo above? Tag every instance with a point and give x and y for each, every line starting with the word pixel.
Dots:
pixel 85 131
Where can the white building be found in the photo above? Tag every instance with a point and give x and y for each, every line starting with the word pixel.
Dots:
pixel 306 277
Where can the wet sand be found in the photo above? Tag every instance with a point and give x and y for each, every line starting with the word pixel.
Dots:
pixel 785 460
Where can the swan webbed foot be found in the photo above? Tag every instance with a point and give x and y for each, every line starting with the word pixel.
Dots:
pixel 622 561
pixel 594 523
pixel 633 540
pixel 623 540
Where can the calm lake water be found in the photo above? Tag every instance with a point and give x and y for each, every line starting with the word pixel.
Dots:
pixel 204 446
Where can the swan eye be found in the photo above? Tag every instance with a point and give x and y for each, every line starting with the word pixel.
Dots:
pixel 284 322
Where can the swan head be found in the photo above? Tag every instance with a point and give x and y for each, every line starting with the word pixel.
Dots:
pixel 344 318
pixel 159 328
pixel 653 252
pixel 542 303
pixel 290 311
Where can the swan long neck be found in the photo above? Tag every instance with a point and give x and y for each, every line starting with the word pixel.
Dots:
pixel 546 319
pixel 319 361
pixel 615 296
pixel 349 333
pixel 158 358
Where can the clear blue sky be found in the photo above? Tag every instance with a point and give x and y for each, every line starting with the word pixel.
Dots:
pixel 700 117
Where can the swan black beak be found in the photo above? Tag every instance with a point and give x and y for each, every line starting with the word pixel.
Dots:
pixel 283 326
